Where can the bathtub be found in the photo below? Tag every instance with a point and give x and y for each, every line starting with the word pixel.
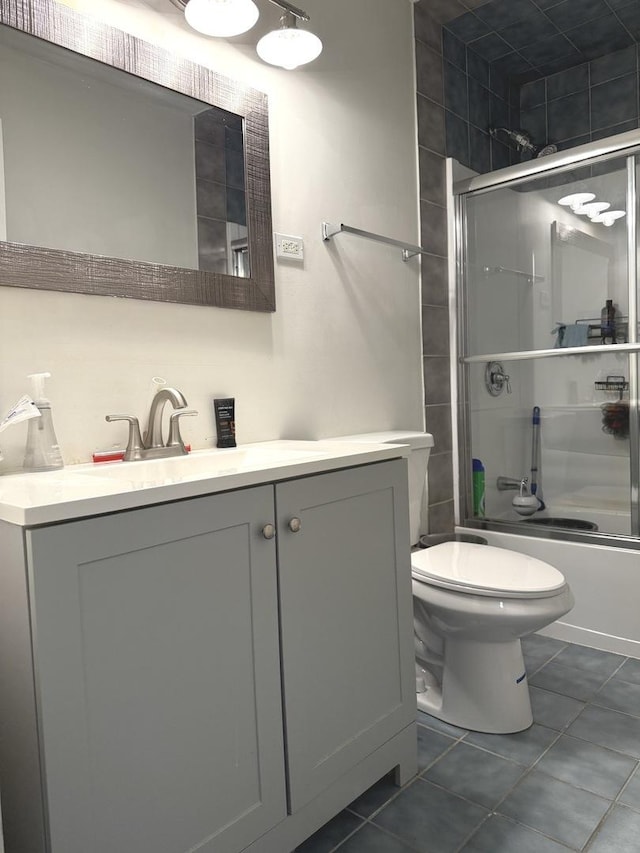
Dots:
pixel 605 581
pixel 606 506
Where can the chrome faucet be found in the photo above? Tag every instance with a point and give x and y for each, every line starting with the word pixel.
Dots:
pixel 153 435
pixel 152 445
pixel 517 483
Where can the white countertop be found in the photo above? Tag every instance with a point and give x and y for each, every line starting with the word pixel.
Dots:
pixel 96 488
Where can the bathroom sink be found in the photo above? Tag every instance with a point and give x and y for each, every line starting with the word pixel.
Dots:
pixel 203 463
pixel 84 490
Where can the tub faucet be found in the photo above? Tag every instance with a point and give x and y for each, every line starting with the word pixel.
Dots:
pixel 152 444
pixel 517 483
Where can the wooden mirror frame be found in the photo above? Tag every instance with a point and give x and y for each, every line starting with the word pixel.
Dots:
pixel 54 269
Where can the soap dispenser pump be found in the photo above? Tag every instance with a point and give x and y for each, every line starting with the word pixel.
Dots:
pixel 42 451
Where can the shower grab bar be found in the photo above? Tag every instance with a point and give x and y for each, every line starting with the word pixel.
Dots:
pixel 505 270
pixel 408 249
pixel 527 355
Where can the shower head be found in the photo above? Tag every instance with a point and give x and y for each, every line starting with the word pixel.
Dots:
pixel 521 139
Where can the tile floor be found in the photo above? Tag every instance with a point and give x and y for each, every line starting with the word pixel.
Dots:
pixel 569 783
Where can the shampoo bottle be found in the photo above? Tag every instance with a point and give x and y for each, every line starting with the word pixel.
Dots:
pixel 608 322
pixel 42 451
pixel 478 488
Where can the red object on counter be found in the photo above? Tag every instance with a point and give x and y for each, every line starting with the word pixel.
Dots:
pixel 117 455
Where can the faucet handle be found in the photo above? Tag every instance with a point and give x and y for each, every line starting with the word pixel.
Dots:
pixel 134 444
pixel 175 439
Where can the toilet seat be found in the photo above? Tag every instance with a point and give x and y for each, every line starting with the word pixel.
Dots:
pixel 486 570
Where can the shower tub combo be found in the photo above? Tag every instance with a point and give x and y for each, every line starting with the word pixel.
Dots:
pixel 546 347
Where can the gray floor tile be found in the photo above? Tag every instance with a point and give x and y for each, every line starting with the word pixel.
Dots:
pixel 608 728
pixel 620 833
pixel 370 839
pixel 556 809
pixel 569 681
pixel 534 660
pixel 591 660
pixel 587 766
pixel 430 819
pixel 539 642
pixel 439 726
pixel 475 774
pixel 631 794
pixel 552 709
pixel 375 797
pixel 431 745
pixel 620 696
pixel 331 834
pixel 523 748
pixel 630 671
pixel 499 835
pixel 538 650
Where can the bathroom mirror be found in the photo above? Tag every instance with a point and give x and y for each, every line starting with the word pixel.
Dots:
pixel 127 171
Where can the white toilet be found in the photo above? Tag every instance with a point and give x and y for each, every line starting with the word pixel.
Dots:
pixel 472 604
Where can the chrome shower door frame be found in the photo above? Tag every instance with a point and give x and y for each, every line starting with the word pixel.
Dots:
pixel 616 147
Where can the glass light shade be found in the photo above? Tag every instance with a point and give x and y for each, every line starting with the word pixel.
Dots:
pixel 594 208
pixel 289 47
pixel 576 200
pixel 222 18
pixel 609 217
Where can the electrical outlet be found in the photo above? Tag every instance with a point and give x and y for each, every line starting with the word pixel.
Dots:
pixel 289 247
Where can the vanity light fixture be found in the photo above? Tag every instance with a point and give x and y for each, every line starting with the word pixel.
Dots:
pixel 608 217
pixel 221 18
pixel 594 208
pixel 576 201
pixel 288 46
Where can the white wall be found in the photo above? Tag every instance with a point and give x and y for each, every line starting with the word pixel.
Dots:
pixel 342 352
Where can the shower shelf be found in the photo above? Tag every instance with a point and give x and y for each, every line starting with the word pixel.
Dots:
pixel 612 383
pixel 506 271
pixel 594 327
pixel 408 249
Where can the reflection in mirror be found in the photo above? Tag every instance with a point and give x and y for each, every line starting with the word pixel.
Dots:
pixel 115 165
pixel 582 282
pixel 148 180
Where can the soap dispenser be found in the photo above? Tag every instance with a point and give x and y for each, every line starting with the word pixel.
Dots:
pixel 42 451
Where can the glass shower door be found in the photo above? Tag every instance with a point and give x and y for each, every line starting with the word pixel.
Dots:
pixel 549 333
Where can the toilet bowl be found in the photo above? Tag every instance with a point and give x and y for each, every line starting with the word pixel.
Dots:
pixel 472 605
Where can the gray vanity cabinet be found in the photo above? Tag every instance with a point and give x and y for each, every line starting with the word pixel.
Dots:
pixel 345 604
pixel 156 635
pixel 200 685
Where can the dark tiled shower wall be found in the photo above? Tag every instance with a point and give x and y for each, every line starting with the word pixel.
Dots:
pixel 220 194
pixel 477 96
pixel 435 300
pixel 587 102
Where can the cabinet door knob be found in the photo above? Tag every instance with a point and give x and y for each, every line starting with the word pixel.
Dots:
pixel 294 525
pixel 268 531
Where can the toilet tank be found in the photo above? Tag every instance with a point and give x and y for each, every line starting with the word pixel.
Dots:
pixel 420 444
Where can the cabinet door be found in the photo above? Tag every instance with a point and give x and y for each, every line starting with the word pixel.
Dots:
pixel 346 620
pixel 157 661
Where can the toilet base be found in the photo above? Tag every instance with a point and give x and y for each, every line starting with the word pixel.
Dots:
pixel 484 688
